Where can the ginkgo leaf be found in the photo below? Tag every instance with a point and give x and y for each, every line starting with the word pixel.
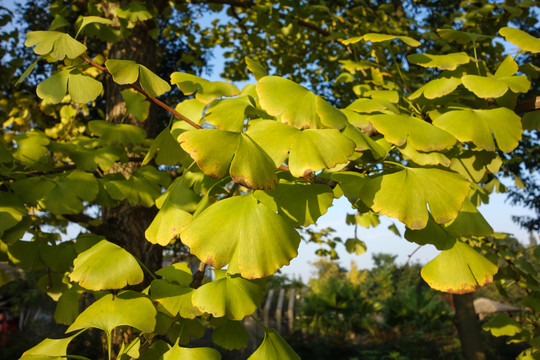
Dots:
pixel 274 347
pixel 316 149
pixel 184 329
pixel 259 240
pixel 295 105
pixel 477 126
pixel 201 353
pixel 302 204
pixel 168 150
pixel 192 109
pixel 81 87
pixel 143 186
pixel 273 137
pixel 30 146
pixel 133 12
pixel 83 21
pixel 459 270
pixel 124 134
pixel 474 165
pixel 230 296
pixel 214 150
pixel 173 214
pixel 51 349
pixel 136 104
pixel 404 195
pixel 461 37
pixel 12 210
pixel 422 136
pixel 424 158
pixel 437 88
pixel 127 72
pixel 503 325
pixel 179 273
pixel 127 308
pixel 521 39
pixel 205 91
pixel 174 299
pixel 69 192
pixel 228 114
pixel 67 307
pixel 364 142
pixel 106 266
pixel 256 68
pixel 443 62
pixel 231 335
pixel 375 38
pixel 370 106
pixel 55 44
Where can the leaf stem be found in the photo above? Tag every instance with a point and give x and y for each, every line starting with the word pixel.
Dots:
pixel 395 163
pixel 258 322
pixel 146 268
pixel 476 58
pixel 398 68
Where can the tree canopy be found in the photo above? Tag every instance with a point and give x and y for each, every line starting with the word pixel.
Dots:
pixel 409 110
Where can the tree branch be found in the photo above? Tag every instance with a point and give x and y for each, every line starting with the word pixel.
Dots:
pixel 528 105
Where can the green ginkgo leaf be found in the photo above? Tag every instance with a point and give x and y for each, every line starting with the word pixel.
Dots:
pixel 127 308
pixel 477 126
pixel 422 136
pixel 133 12
pixel 497 85
pixel 49 349
pixel 192 109
pixel 127 72
pixel 459 270
pixel 179 273
pixel 106 266
pixel 69 192
pixel 437 88
pixel 81 87
pixel 256 68
pixel 55 44
pixel 503 325
pixel 364 142
pixel 214 150
pixel 295 105
pixel 369 106
pixel 423 158
pixel 30 146
pixel 136 104
pixel 185 329
pixel 168 150
pixel 231 335
pixel 143 186
pixel 375 38
pixel 174 299
pixel 228 114
pixel 274 347
pixel 461 37
pixel 12 210
pixel 202 353
pixel 301 204
pixel 67 307
pixel 406 193
pixel 443 62
pixel 521 39
pixel 259 240
pixel 230 296
pixel 124 134
pixel 83 21
pixel 474 165
pixel 173 214
pixel 205 91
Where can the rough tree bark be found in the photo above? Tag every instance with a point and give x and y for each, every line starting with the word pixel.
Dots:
pixel 468 327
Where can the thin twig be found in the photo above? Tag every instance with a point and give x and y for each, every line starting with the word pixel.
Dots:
pixel 199 276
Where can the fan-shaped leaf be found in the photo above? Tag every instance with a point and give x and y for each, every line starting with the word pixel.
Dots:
pixel 230 296
pixel 259 240
pixel 302 204
pixel 178 352
pixel 174 299
pixel 503 325
pixel 177 272
pixel 136 104
pixel 461 37
pixel 437 88
pixel 404 195
pixel 228 114
pixel 55 44
pixel 83 21
pixel 256 68
pixel 81 87
pixel 168 150
pixel 51 349
pixel 274 347
pixel 521 39
pixel 422 136
pixel 375 38
pixel 443 62
pixel 231 335
pixel 205 91
pixel 11 210
pixel 127 308
pixel 106 266
pixel 423 158
pixel 459 270
pixel 124 134
pixel 295 105
pixel 477 126
pixel 127 72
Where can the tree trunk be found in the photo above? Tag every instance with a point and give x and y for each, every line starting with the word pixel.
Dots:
pixel 468 327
